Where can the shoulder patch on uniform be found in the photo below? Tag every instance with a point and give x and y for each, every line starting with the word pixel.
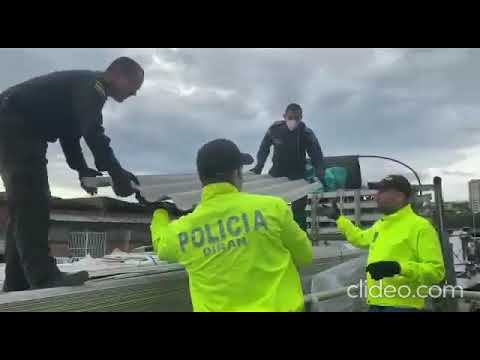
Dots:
pixel 100 88
pixel 278 123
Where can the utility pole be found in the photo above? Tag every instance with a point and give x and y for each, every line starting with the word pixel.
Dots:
pixel 449 305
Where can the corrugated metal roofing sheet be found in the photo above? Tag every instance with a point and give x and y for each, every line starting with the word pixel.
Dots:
pixel 185 190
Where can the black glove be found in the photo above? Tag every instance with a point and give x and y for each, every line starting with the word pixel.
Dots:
pixel 88 173
pixel 169 205
pixel 164 202
pixel 122 182
pixel 382 269
pixel 256 170
pixel 332 212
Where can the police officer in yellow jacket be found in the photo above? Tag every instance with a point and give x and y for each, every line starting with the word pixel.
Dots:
pixel 405 256
pixel 241 251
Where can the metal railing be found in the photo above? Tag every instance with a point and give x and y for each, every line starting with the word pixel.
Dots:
pixel 326 295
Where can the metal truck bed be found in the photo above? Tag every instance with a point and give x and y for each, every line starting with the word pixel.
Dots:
pixel 159 288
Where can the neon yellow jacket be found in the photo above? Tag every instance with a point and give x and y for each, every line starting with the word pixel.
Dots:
pixel 240 251
pixel 411 241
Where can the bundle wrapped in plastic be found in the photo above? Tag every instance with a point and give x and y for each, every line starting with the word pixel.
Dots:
pixel 335 178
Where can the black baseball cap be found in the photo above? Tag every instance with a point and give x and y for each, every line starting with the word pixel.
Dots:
pixel 220 156
pixel 393 182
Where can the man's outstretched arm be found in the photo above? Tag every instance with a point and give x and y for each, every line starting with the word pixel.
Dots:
pixel 314 151
pixel 263 153
pixel 87 105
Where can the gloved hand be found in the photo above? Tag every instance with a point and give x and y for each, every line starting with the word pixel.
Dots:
pixel 88 173
pixel 122 182
pixel 256 170
pixel 382 269
pixel 332 212
pixel 166 203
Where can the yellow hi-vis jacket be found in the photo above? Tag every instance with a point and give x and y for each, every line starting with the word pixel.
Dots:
pixel 411 241
pixel 240 251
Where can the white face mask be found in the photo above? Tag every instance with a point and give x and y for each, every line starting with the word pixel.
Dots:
pixel 292 124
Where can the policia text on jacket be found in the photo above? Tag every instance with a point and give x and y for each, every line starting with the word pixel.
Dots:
pixel 231 232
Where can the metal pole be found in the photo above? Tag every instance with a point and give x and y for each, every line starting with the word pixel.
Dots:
pixel 437 184
pixel 444 239
pixel 314 234
pixel 340 194
pixel 358 208
pixel 447 250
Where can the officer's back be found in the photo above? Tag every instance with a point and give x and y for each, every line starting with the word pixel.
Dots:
pixel 240 250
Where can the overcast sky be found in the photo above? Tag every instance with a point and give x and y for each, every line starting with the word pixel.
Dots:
pixel 419 106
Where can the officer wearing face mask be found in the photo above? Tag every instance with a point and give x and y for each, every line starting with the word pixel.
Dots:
pixel 292 141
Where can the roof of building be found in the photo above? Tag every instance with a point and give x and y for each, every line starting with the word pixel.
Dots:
pixel 97 203
pixel 100 218
pixel 92 203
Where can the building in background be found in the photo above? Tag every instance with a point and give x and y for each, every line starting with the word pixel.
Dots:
pixel 457 207
pixel 474 195
pixel 94 226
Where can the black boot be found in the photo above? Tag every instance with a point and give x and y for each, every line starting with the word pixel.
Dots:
pixel 65 279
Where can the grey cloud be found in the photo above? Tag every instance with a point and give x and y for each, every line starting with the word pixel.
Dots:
pixel 466 174
pixel 417 105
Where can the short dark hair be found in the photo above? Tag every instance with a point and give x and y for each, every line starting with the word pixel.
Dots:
pixel 127 66
pixel 294 107
pixel 219 178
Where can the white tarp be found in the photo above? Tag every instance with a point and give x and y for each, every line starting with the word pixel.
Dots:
pixel 348 273
pixel 116 263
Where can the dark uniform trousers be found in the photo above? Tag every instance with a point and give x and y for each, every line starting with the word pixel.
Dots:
pixel 23 167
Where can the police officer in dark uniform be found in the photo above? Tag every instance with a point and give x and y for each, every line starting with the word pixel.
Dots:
pixel 292 141
pixel 64 106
